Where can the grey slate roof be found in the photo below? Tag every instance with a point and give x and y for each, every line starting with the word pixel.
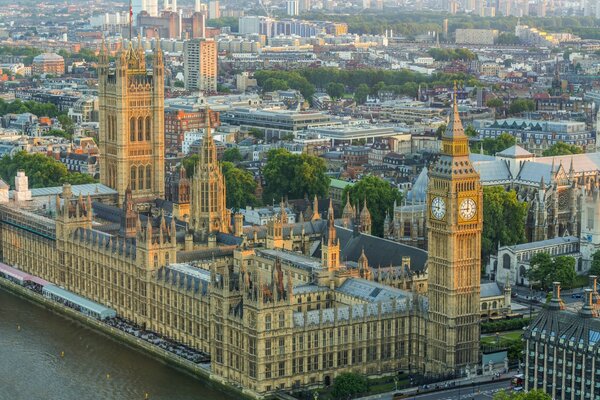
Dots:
pixel 379 251
pixel 371 291
pixel 490 289
pixel 546 243
pixel 515 151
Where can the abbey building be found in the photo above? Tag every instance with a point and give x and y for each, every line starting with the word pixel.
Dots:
pixel 282 306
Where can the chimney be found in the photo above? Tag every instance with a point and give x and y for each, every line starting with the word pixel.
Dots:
pixel 556 302
pixel 587 310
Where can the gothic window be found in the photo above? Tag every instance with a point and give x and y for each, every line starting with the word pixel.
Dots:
pixel 141 177
pixel 132 129
pixel 268 322
pixel 281 320
pixel 494 305
pixel 155 261
pixel 506 261
pixel 167 259
pixel 148 177
pixel 140 129
pixel 133 178
pixel 148 128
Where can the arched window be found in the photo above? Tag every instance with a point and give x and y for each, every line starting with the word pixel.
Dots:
pixel 148 128
pixel 132 129
pixel 140 131
pixel 484 305
pixel 167 259
pixel 281 320
pixel 506 261
pixel 141 177
pixel 155 261
pixel 494 305
pixel 268 322
pixel 148 177
pixel 133 178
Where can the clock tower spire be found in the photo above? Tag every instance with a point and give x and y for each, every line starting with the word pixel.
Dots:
pixel 454 222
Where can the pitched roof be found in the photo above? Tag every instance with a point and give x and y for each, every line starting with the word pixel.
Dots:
pixel 515 151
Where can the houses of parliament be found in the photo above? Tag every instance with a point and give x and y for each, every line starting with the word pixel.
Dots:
pixel 281 306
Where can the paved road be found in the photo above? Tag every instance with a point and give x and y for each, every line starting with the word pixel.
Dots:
pixel 483 391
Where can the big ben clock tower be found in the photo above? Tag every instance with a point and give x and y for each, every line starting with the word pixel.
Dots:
pixel 454 221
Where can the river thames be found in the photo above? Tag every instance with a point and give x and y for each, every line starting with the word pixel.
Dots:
pixel 94 366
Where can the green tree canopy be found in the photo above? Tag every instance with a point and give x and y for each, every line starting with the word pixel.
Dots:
pixel 349 384
pixel 241 186
pixel 595 268
pixel 532 395
pixel 470 131
pixel 521 105
pixel 335 90
pixel 494 103
pixel 562 149
pixel 361 93
pixel 380 197
pixel 232 154
pixel 503 219
pixel 256 133
pixel 59 133
pixel 440 130
pixel 545 270
pixel 189 163
pixel 42 171
pixel 496 145
pixel 293 175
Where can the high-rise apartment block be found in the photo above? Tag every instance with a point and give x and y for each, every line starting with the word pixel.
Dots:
pixel 214 10
pixel 200 65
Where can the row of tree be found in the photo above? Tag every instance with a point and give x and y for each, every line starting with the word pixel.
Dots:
pixel 41 170
pixel 361 82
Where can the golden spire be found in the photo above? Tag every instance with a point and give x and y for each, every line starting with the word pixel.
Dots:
pixel 454 140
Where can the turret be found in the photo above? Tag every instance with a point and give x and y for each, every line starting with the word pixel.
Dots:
pixel 315 216
pixel 365 219
pixel 129 216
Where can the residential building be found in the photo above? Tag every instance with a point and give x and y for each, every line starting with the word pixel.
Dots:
pixel 200 65
pixel 48 63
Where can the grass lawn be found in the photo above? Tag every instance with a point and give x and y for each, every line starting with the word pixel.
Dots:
pixel 504 337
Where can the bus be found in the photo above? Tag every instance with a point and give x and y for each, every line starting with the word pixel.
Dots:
pixel 516 383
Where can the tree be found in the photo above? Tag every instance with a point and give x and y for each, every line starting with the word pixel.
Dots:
pixel 362 93
pixel 504 218
pixel 240 186
pixel 42 171
pixel 335 90
pixel 293 175
pixel 440 131
pixel 58 133
pixel 179 84
pixel 532 395
pixel 521 105
pixel 257 133
pixel 232 154
pixel 495 145
pixel 507 38
pixel 595 268
pixel 273 84
pixel 349 384
pixel 470 131
pixel 380 197
pixel 545 270
pixel 189 163
pixel 494 103
pixel 562 149
pixel 67 124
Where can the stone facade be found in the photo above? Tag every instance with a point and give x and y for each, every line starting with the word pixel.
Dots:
pixel 131 102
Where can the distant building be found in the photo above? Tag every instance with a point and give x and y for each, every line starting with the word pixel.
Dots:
pixel 48 63
pixel 200 65
pixel 214 10
pixel 476 36
pixel 179 121
pixel 536 135
pixel 292 8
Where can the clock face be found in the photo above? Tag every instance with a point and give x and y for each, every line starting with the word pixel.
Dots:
pixel 438 208
pixel 468 209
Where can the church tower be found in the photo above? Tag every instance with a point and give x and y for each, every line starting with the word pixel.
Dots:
pixel 454 223
pixel 209 212
pixel 131 103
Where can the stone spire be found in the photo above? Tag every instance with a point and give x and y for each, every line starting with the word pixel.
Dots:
pixel 454 140
pixel 316 215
